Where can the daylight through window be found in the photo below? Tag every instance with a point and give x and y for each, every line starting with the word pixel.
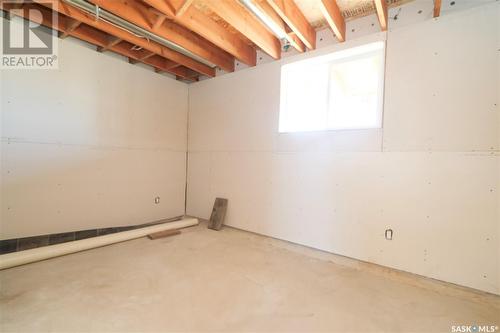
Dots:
pixel 342 90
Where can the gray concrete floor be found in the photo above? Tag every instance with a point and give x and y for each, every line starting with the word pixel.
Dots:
pixel 204 280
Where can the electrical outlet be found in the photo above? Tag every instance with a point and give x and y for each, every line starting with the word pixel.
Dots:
pixel 388 234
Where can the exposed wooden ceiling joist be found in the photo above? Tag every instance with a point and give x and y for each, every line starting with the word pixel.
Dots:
pixel 183 7
pixel 437 8
pixel 193 19
pixel 96 37
pixel 147 55
pixel 139 14
pixel 73 25
pixel 333 16
pixel 112 42
pixel 295 19
pixel 10 8
pixel 111 29
pixel 159 21
pixel 283 29
pixel 242 20
pixel 381 7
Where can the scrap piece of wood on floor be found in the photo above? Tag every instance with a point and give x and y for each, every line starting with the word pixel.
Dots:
pixel 218 214
pixel 163 234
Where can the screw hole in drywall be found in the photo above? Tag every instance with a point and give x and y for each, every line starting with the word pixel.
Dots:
pixel 397 15
pixel 388 234
pixel 157 200
pixel 452 3
pixel 420 11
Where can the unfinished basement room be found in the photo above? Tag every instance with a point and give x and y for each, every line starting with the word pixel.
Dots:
pixel 250 166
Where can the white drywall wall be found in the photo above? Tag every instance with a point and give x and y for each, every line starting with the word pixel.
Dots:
pixel 431 174
pixel 90 145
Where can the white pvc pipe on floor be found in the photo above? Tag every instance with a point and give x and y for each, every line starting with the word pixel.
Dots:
pixel 24 257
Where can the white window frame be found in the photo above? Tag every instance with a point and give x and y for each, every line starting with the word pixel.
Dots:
pixel 358 52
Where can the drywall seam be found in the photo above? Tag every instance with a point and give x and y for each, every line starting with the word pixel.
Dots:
pixel 187 156
pixel 100 147
pixel 93 152
pixel 437 193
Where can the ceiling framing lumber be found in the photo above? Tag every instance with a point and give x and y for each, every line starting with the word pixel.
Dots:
pixel 279 24
pixel 162 6
pixel 138 13
pixel 147 55
pixel 437 8
pixel 381 8
pixel 334 17
pixel 97 37
pixel 112 42
pixel 184 6
pixel 242 20
pixel 12 7
pixel 73 25
pixel 111 29
pixel 295 19
pixel 196 21
pixel 159 21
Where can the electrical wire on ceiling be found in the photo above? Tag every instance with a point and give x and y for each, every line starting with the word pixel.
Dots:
pixel 103 15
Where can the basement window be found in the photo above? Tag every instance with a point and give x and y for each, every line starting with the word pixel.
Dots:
pixel 342 90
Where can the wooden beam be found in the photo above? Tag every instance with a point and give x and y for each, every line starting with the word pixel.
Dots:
pixel 437 8
pixel 279 24
pixel 334 17
pixel 136 12
pixel 112 42
pixel 73 25
pixel 192 79
pixel 101 39
pixel 46 19
pixel 185 5
pixel 68 10
pixel 159 21
pixel 147 55
pixel 198 22
pixel 295 19
pixel 162 6
pixel 13 6
pixel 125 49
pixel 381 7
pixel 236 15
pixel 165 65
